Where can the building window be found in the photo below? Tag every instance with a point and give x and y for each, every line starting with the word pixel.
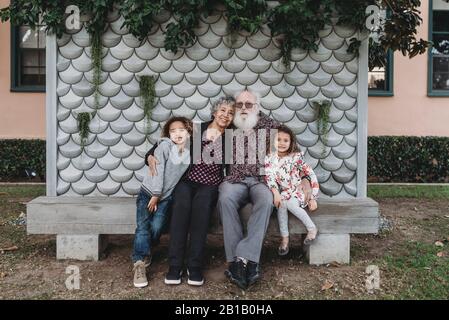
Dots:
pixel 28 59
pixel 380 79
pixel 439 54
pixel 380 73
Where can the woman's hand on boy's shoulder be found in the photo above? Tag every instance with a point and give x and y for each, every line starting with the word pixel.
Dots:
pixel 152 164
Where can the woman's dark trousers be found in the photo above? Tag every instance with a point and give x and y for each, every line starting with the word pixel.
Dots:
pixel 193 204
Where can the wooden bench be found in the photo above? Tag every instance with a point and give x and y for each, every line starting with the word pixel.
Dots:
pixel 81 224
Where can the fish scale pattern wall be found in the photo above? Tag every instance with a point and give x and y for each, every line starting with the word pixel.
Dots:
pixel 112 162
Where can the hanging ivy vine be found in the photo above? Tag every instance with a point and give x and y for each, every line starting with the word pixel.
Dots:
pixel 98 11
pixel 96 53
pixel 148 96
pixel 322 110
pixel 83 119
pixel 298 22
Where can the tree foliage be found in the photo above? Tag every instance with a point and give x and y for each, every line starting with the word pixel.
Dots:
pixel 296 22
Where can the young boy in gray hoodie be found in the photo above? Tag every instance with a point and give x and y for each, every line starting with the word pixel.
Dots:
pixel 155 195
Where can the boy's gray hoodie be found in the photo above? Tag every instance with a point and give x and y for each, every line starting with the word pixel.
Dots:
pixel 170 169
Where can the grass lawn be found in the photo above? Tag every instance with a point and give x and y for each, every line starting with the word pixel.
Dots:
pixel 12 203
pixel 21 191
pixel 418 192
pixel 419 272
pixel 413 259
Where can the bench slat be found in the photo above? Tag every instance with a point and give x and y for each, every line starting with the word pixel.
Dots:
pixel 114 215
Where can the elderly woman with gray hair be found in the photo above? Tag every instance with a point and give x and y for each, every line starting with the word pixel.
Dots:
pixel 195 196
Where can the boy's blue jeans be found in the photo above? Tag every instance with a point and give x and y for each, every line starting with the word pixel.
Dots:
pixel 149 225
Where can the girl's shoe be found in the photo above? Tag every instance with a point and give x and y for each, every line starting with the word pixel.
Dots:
pixel 311 236
pixel 283 251
pixel 284 248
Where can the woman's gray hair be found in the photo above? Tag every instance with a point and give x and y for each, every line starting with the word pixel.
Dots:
pixel 222 100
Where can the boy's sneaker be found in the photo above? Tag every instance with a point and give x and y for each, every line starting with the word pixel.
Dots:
pixel 195 277
pixel 173 275
pixel 148 260
pixel 140 277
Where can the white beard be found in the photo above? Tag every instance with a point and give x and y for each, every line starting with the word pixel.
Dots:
pixel 248 123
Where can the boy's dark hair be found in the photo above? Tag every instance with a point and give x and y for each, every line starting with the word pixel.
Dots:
pixel 294 147
pixel 186 122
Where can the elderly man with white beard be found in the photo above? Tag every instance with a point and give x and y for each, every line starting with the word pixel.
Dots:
pixel 245 184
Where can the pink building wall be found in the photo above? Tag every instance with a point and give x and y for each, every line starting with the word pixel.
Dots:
pixel 22 114
pixel 409 112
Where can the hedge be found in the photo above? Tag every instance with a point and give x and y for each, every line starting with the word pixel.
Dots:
pixel 390 159
pixel 17 155
pixel 408 159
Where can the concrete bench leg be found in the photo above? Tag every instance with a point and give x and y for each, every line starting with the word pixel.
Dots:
pixel 80 247
pixel 329 248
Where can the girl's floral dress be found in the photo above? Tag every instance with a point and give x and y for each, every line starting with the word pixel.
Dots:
pixel 285 175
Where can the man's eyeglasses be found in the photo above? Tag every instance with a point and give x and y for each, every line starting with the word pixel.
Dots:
pixel 248 105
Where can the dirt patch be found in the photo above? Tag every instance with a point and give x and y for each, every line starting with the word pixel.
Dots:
pixel 32 272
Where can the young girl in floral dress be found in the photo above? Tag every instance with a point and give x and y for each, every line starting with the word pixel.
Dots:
pixel 284 170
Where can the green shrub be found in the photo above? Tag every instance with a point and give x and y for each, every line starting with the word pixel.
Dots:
pixel 390 159
pixel 16 155
pixel 408 159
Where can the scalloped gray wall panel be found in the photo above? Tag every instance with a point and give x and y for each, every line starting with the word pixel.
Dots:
pixel 112 163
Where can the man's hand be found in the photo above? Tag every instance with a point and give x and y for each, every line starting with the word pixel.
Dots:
pixel 152 204
pixel 152 163
pixel 276 198
pixel 307 189
pixel 313 205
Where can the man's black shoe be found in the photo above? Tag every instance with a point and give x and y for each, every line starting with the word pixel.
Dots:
pixel 237 274
pixel 252 272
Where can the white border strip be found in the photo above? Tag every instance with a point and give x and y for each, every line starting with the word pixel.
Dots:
pixel 362 122
pixel 51 107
